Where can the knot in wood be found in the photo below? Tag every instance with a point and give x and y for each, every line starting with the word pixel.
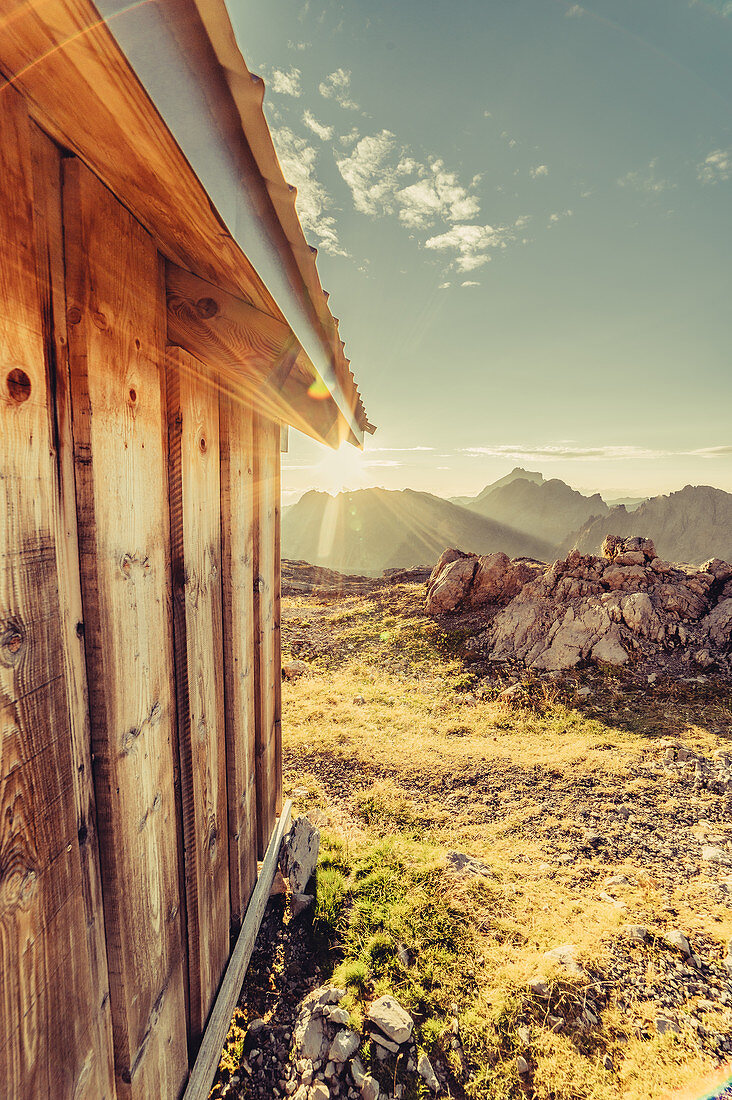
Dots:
pixel 12 644
pixel 207 308
pixel 19 385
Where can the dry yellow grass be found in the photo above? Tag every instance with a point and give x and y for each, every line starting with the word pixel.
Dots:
pixel 383 741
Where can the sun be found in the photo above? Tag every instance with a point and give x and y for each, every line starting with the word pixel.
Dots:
pixel 340 470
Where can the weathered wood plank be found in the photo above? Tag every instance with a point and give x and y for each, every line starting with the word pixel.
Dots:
pixel 204 1069
pixel 107 118
pixel 51 280
pixel 195 533
pixel 237 544
pixel 116 355
pixel 49 1002
pixel 253 354
pixel 267 627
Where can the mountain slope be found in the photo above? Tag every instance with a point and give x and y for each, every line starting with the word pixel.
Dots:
pixel 691 525
pixel 374 529
pixel 548 510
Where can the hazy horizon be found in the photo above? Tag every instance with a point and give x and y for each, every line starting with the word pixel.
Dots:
pixel 522 215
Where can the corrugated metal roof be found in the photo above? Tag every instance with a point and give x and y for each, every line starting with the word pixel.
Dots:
pixel 185 54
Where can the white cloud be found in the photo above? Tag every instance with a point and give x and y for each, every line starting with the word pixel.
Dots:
pixel 287 82
pixel 574 12
pixel 470 282
pixel 645 180
pixel 298 159
pixel 337 86
pixel 394 450
pixel 325 133
pixel 554 218
pixel 717 167
pixel 378 172
pixel 554 452
pixel 540 170
pixel 471 244
pixel 349 138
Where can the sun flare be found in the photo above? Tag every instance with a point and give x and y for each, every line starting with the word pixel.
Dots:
pixel 338 471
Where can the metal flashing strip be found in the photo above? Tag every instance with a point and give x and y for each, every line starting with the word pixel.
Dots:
pixel 174 78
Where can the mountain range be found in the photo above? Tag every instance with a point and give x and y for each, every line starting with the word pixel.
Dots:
pixel 368 530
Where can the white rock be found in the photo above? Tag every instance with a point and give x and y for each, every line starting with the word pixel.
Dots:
pixel 679 940
pixel 343 1046
pixel 337 1016
pixel 319 1092
pixel 566 957
pixel 389 1017
pixel 310 1038
pixel 522 1066
pixel 524 1036
pixel 428 1075
pixel 715 855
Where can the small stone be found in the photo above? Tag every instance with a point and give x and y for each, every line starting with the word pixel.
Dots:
pixel 678 939
pixel 428 1075
pixel 663 1024
pixel 539 988
pixel 279 886
pixel 607 1063
pixel 358 701
pixel 461 864
pixel 370 1089
pixel 293 669
pixel 301 902
pixel 522 1066
pixel 343 1046
pixel 524 1036
pixel 389 1017
pixel 336 1015
pixel 319 1092
pixel 358 1073
pixel 715 855
pixel 556 1023
pixel 566 957
pixel 636 932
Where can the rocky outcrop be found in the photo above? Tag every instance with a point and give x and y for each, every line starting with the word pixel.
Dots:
pixel 627 603
pixel 470 580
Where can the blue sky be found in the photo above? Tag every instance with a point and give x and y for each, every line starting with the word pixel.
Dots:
pixel 523 215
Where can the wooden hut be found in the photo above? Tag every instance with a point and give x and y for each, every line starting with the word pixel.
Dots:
pixel 161 322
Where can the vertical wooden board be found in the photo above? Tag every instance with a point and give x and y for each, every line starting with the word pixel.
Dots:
pixel 267 627
pixel 237 546
pixel 195 534
pixel 48 1001
pixel 115 313
pixel 51 279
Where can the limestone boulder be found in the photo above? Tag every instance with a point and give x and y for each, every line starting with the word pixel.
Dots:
pixel 450 586
pixel 718 625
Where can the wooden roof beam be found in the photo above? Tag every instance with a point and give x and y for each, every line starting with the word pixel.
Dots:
pixel 255 357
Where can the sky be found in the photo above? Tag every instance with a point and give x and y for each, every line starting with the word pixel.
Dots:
pixel 523 211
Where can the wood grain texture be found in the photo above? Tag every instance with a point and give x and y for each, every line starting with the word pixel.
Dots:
pixel 49 1006
pixel 267 626
pixel 254 355
pixel 51 281
pixel 115 312
pixel 204 1069
pixel 237 544
pixel 195 533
